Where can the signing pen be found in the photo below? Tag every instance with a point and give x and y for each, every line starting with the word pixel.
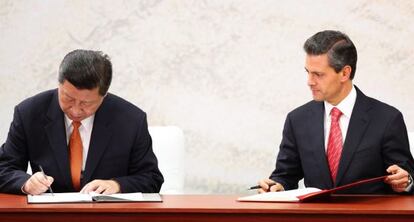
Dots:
pixel 258 186
pixel 43 172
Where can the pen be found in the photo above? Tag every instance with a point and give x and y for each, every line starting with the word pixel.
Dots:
pixel 43 172
pixel 258 186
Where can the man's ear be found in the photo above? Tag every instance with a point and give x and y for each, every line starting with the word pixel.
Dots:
pixel 346 73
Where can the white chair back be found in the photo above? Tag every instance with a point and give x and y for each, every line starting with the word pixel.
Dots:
pixel 168 146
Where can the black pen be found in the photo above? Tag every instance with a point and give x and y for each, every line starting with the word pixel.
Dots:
pixel 50 188
pixel 258 186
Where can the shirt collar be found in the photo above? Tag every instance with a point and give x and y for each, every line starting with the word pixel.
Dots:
pixel 86 123
pixel 345 106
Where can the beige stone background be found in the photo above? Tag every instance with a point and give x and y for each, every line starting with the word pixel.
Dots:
pixel 226 71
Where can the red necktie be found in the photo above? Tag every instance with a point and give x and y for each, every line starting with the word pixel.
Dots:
pixel 75 155
pixel 334 143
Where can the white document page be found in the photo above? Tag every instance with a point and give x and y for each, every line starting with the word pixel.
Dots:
pixel 282 196
pixel 59 198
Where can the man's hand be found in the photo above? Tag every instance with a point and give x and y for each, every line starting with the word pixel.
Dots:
pixel 102 187
pixel 37 184
pixel 398 178
pixel 268 185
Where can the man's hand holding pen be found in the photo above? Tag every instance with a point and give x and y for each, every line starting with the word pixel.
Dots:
pixel 37 184
pixel 268 185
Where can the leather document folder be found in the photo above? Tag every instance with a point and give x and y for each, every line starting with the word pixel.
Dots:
pixel 303 194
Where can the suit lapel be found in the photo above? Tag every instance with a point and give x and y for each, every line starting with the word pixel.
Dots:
pixel 101 135
pixel 356 130
pixel 316 124
pixel 56 134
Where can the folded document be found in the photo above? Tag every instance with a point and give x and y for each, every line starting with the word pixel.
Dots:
pixel 75 197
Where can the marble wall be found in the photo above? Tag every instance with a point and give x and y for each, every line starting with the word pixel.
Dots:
pixel 225 71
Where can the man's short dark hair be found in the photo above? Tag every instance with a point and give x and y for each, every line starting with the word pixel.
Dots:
pixel 86 69
pixel 340 49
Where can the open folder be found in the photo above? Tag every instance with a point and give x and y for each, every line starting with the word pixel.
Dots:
pixel 304 194
pixel 93 197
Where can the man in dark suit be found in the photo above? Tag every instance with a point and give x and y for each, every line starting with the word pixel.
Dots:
pixel 342 136
pixel 83 137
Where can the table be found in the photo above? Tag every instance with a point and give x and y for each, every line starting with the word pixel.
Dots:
pixel 214 208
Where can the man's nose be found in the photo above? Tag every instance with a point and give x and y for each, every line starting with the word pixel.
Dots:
pixel 76 110
pixel 310 81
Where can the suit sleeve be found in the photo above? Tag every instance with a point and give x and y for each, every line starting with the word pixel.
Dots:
pixel 143 173
pixel 396 149
pixel 14 158
pixel 288 170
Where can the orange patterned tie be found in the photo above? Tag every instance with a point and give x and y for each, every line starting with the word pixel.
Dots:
pixel 334 143
pixel 75 155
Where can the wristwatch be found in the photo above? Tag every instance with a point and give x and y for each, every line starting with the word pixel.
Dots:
pixel 410 180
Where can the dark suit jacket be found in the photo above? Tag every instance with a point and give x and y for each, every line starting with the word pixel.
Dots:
pixel 376 138
pixel 120 146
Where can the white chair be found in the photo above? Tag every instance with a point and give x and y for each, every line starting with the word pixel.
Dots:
pixel 168 146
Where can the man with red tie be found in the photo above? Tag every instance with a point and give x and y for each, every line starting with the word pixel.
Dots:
pixel 84 138
pixel 342 136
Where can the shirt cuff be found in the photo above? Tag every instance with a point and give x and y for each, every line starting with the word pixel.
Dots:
pixel 410 184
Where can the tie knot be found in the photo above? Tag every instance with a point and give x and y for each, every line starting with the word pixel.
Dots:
pixel 335 114
pixel 76 124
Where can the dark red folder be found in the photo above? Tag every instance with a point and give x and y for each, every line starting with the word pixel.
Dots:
pixel 325 193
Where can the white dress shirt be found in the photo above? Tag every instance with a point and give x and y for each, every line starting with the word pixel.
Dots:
pixel 345 106
pixel 85 130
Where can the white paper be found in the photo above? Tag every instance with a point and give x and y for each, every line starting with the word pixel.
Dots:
pixel 282 196
pixel 59 198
